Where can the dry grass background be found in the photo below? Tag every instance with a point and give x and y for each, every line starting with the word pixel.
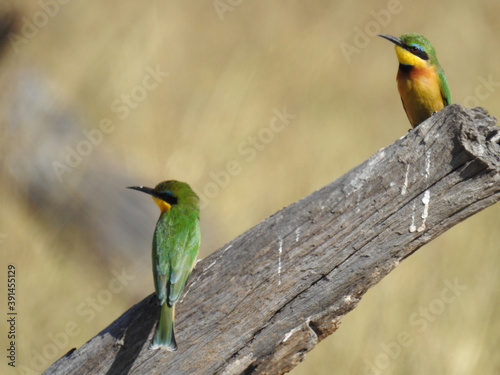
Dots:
pixel 226 75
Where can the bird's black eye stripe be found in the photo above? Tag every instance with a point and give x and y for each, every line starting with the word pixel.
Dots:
pixel 417 52
pixel 168 197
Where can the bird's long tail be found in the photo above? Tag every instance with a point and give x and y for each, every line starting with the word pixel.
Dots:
pixel 164 335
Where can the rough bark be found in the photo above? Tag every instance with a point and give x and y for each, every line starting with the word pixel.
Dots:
pixel 261 302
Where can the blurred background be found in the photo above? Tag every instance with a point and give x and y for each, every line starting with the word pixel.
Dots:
pixel 97 96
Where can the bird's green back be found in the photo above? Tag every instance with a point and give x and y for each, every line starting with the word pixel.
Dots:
pixel 175 244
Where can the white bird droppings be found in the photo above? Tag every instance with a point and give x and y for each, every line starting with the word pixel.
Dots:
pixel 279 260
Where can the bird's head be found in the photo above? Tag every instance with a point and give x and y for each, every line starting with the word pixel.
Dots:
pixel 413 49
pixel 169 193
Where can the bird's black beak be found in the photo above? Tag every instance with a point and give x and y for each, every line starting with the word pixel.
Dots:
pixel 393 39
pixel 164 196
pixel 144 190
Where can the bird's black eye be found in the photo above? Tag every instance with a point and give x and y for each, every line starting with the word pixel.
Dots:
pixel 418 51
pixel 168 197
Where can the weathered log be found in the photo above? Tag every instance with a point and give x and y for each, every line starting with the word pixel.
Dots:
pixel 261 302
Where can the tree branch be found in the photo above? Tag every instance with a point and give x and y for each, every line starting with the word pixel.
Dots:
pixel 258 304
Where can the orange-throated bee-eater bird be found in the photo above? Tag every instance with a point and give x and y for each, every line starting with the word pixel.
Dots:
pixel 175 246
pixel 421 80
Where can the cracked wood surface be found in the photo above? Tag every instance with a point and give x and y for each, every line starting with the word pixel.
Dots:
pixel 258 304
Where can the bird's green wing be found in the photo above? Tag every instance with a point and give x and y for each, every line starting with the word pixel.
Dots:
pixel 161 267
pixel 175 247
pixel 445 90
pixel 183 261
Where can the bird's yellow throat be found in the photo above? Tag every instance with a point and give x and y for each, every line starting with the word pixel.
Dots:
pixel 408 58
pixel 162 205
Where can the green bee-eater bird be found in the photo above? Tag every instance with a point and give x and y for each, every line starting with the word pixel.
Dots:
pixel 175 246
pixel 421 80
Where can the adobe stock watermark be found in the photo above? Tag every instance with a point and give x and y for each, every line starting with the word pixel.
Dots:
pixel 247 150
pixel 122 106
pixel 363 36
pixel 223 6
pixel 57 343
pixel 483 91
pixel 31 26
pixel 419 321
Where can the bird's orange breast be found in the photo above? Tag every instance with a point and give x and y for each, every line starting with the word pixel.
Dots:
pixel 420 92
